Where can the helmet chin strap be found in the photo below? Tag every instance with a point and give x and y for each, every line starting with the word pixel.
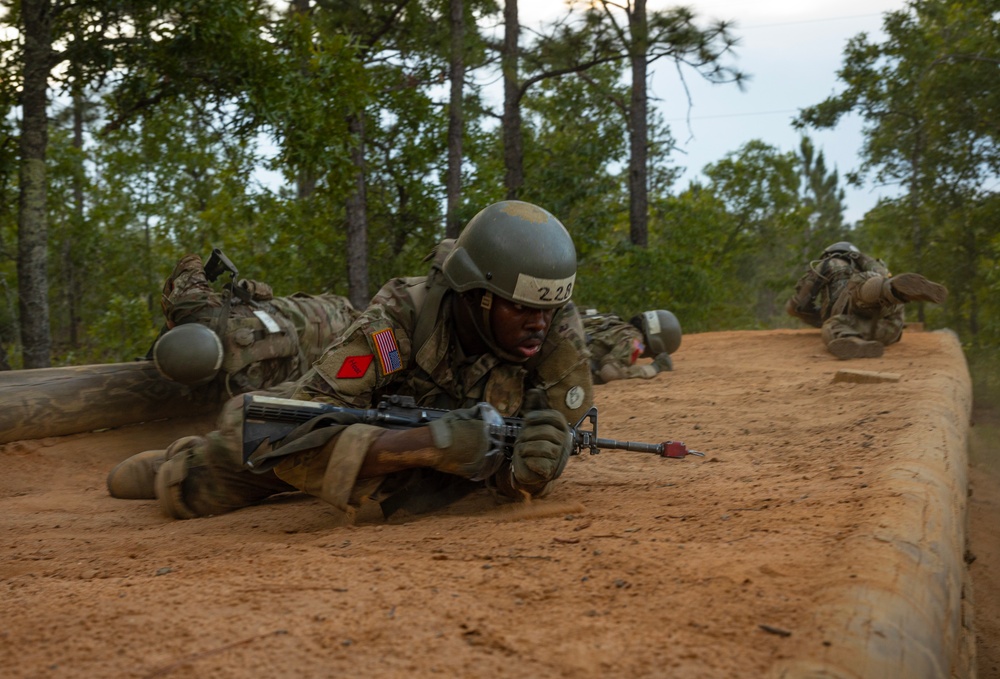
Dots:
pixel 485 305
pixel 485 330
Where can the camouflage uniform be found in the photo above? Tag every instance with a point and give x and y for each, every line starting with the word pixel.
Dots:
pixel 833 296
pixel 378 355
pixel 615 345
pixel 266 340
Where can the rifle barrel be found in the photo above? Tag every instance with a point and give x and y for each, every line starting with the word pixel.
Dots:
pixel 655 448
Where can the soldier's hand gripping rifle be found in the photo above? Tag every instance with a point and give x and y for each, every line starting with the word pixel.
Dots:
pixel 268 420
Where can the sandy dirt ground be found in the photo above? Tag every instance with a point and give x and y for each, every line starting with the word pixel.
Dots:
pixel 636 566
pixel 984 536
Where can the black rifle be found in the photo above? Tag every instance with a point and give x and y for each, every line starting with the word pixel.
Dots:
pixel 267 420
pixel 219 264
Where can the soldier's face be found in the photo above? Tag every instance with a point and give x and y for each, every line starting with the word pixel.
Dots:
pixel 519 329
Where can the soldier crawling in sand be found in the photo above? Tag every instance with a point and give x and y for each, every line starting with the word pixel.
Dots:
pixel 615 345
pixel 856 302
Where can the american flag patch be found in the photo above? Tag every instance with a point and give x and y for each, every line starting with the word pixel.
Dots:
pixel 388 352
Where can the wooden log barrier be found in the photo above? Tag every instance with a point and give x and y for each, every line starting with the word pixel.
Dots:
pixel 906 616
pixel 60 401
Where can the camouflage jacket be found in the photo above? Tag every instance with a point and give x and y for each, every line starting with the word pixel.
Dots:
pixel 376 356
pixel 266 340
pixel 819 289
pixel 615 345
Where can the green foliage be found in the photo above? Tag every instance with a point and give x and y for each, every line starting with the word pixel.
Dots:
pixel 572 123
pixel 121 333
pixel 762 246
pixel 313 82
pixel 930 99
pixel 226 125
pixel 630 280
pixel 984 366
pixel 8 222
pixel 406 151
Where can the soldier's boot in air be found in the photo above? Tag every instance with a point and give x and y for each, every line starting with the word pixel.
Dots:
pixel 854 347
pixel 132 479
pixel 912 287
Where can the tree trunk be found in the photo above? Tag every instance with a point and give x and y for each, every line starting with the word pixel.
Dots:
pixel 971 274
pixel 638 128
pixel 357 222
pixel 456 122
pixel 32 236
pixel 305 184
pixel 69 260
pixel 916 205
pixel 305 179
pixel 9 303
pixel 513 152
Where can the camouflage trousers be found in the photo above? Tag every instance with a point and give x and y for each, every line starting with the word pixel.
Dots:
pixel 865 307
pixel 204 476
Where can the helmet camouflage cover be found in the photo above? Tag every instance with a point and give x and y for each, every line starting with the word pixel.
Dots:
pixel 516 250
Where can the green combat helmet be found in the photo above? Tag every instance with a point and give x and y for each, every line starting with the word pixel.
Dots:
pixel 841 248
pixel 662 331
pixel 189 353
pixel 516 250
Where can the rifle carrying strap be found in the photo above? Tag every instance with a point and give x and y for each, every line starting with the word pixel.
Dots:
pixel 427 298
pixel 429 306
pixel 222 320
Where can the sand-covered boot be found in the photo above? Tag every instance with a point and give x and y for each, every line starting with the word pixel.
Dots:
pixel 133 478
pixel 855 347
pixel 912 287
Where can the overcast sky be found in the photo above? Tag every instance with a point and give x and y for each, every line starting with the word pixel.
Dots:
pixel 792 50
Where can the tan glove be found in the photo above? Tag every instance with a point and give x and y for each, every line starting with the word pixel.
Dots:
pixel 663 362
pixel 543 446
pixel 467 447
pixel 648 371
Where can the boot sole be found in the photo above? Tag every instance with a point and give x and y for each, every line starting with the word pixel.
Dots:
pixel 916 288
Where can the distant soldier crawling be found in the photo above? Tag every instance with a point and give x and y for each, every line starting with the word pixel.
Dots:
pixel 856 302
pixel 616 345
pixel 244 337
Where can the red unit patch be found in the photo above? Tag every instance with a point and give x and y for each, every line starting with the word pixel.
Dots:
pixel 637 349
pixel 354 367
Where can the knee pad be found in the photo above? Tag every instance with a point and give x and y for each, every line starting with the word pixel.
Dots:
pixel 876 291
pixel 610 372
pixel 177 497
pixel 169 486
pixel 182 444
